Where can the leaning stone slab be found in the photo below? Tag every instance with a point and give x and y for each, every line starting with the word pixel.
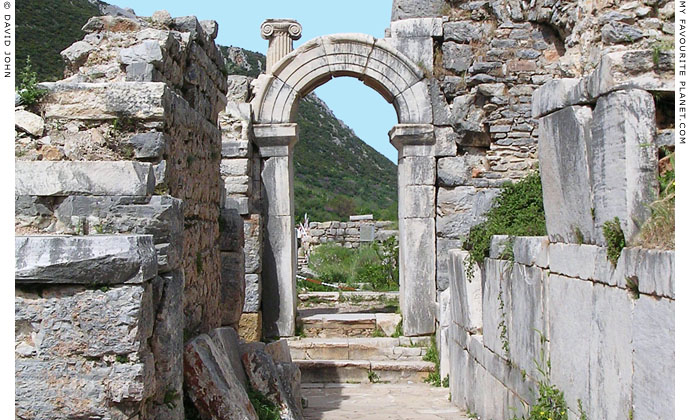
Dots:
pixel 45 178
pixel 94 260
pixel 228 341
pixel 211 384
pixel 264 377
pixel 632 69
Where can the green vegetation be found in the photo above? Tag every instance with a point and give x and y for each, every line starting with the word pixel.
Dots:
pixel 373 377
pixel 46 27
pixel 336 173
pixel 432 355
pixel 243 62
pixel 378 332
pixel 659 231
pixel 517 211
pixel 615 240
pixel 398 330
pixel 633 286
pixel 27 85
pixel 503 326
pixel 550 403
pixel 376 264
pixel 265 409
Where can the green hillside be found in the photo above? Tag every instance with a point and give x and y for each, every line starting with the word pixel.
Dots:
pixel 46 27
pixel 336 173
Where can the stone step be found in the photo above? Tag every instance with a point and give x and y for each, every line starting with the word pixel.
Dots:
pixel 363 371
pixel 348 324
pixel 359 348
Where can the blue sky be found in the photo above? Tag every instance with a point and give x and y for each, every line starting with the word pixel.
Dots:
pixel 359 106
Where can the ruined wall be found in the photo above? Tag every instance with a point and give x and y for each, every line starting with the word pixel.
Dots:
pixel 610 344
pixel 241 173
pixel 349 234
pixel 484 61
pixel 127 144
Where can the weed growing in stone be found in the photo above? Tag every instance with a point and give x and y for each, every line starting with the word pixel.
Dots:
pixel 518 211
pixel 398 330
pixel 550 402
pixel 432 355
pixel 503 326
pixel 615 240
pixel 632 284
pixel 659 230
pixel 265 409
pixel 373 377
pixel 378 332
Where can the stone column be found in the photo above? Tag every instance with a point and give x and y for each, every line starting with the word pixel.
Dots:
pixel 280 33
pixel 416 214
pixel 276 143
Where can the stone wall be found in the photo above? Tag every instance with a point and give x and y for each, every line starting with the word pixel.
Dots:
pixel 349 234
pixel 127 145
pixel 484 61
pixel 609 330
pixel 243 191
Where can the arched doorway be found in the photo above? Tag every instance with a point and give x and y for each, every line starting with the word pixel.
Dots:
pixel 401 82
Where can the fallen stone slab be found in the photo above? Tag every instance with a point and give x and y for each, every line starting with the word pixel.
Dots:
pixel 264 377
pixel 215 391
pixel 228 341
pixel 46 178
pixel 93 260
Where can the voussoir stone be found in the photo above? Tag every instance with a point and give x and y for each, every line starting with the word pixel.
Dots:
pixel 85 259
pixel 45 178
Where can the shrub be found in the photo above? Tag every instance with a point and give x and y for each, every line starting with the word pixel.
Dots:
pixel 615 240
pixel 27 86
pixel 518 211
pixel 265 409
pixel 659 231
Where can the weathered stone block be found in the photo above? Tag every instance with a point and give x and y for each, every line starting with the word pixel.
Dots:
pixel 79 388
pixel 417 201
pixel 263 376
pixel 149 145
pixel 496 303
pixel 462 31
pixel 624 166
pixel 417 27
pixel 570 317
pixel 453 171
pixel 443 247
pixel 466 293
pixel 252 298
pixel 93 260
pixel 653 344
pixel 116 321
pixel 211 383
pixel 29 122
pixel 527 315
pixel 611 353
pixel 418 288
pixel 235 149
pixel 228 341
pixel 652 270
pixel 250 327
pixel 417 170
pixel 558 94
pixel 279 289
pixel 565 142
pixel 253 244
pixel 531 250
pixel 406 9
pixel 456 57
pixel 149 51
pixel 47 178
pixel 231 231
pixel 232 288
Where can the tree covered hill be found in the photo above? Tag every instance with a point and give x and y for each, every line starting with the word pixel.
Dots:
pixel 336 173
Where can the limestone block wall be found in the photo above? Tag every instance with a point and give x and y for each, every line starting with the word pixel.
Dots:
pixel 127 145
pixel 87 343
pixel 609 330
pixel 146 90
pixel 483 63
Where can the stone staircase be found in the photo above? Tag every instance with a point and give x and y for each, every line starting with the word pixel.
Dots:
pixel 348 347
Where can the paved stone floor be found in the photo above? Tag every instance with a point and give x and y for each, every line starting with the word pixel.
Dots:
pixel 378 401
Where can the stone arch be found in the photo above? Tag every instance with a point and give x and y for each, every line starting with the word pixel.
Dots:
pixel 373 61
pixel 401 82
